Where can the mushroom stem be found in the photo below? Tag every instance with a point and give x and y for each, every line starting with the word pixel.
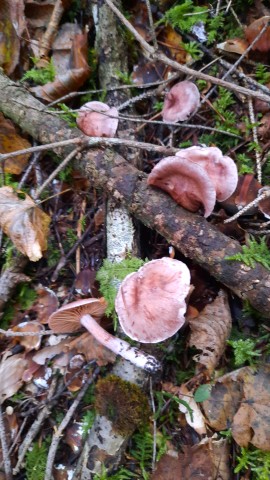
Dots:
pixel 119 346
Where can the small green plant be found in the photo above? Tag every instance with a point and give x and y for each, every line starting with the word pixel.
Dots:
pixel 244 351
pixel 193 49
pixel 35 461
pixel 185 16
pixel 253 252
pixel 142 450
pixel 158 106
pixel 262 74
pixel 67 114
pixel 23 299
pixel 122 474
pixel 87 421
pixel 245 164
pixel 110 276
pixel 40 76
pixel 255 460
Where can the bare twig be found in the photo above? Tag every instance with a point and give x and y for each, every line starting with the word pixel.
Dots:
pixel 151 24
pixel 33 431
pixel 255 139
pixel 154 424
pixel 57 435
pixel 254 203
pixel 42 148
pixel 5 453
pixel 9 333
pixel 60 167
pixel 183 68
pixel 49 35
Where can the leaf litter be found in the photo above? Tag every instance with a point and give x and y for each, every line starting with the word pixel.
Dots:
pixel 236 402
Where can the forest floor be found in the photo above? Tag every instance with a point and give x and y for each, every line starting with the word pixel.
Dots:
pixel 79 212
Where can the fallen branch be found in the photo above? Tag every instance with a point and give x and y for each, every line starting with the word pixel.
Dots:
pixel 191 234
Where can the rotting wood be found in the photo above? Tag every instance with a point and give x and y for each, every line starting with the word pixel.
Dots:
pixel 191 234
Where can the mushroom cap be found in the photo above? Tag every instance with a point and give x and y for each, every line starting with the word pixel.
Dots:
pixel 221 169
pixel 182 100
pixel 67 318
pixel 186 182
pixel 151 302
pixel 95 124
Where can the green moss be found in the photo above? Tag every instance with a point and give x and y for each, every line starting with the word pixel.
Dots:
pixel 123 403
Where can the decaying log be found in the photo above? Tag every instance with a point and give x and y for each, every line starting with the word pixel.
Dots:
pixel 188 232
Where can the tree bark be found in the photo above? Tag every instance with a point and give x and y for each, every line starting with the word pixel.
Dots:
pixel 191 234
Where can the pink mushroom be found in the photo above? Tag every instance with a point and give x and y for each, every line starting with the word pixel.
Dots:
pixel 221 169
pixel 86 313
pixel 186 182
pixel 182 100
pixel 95 120
pixel 151 302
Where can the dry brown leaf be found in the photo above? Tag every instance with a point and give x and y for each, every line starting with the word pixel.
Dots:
pixel 241 400
pixel 73 79
pixel 30 342
pixel 91 349
pixel 10 141
pixel 207 460
pixel 11 372
pixel 45 304
pixel 24 223
pixel 210 331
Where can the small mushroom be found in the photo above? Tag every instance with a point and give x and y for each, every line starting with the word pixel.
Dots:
pixel 151 302
pixel 182 100
pixel 95 119
pixel 86 313
pixel 221 169
pixel 186 182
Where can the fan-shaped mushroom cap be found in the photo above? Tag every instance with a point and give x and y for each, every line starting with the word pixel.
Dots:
pixel 182 100
pixel 95 124
pixel 221 169
pixel 67 318
pixel 151 302
pixel 186 182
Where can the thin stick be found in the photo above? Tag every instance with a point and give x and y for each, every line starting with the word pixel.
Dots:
pixel 254 203
pixel 57 435
pixel 54 174
pixel 48 37
pixel 151 24
pixel 154 424
pixel 255 139
pixel 41 148
pixel 9 333
pixel 183 68
pixel 36 425
pixel 238 61
pixel 5 454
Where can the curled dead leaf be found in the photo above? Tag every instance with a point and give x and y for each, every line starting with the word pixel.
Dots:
pixel 30 342
pixel 24 223
pixel 241 400
pixel 11 373
pixel 210 331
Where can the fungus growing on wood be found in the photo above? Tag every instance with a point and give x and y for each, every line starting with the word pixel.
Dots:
pixel 151 302
pixel 95 119
pixel 195 177
pixel 87 312
pixel 182 100
pixel 186 182
pixel 221 169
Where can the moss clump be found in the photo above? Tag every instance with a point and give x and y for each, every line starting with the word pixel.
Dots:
pixel 123 403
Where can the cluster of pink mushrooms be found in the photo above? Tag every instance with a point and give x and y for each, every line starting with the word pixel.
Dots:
pixel 195 177
pixel 150 305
